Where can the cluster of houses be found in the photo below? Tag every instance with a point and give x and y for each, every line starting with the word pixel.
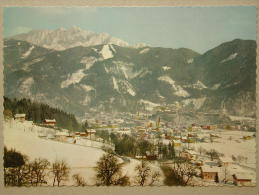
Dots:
pixel 221 170
pixel 60 135
pixel 224 169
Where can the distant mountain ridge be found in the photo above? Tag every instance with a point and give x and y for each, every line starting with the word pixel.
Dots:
pixel 113 78
pixel 61 38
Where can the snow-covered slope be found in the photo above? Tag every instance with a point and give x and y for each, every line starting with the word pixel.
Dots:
pixel 61 39
pixel 24 137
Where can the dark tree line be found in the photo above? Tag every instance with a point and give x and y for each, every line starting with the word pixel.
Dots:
pixel 131 146
pixel 37 112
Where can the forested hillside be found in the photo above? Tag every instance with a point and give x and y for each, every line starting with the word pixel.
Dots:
pixel 37 112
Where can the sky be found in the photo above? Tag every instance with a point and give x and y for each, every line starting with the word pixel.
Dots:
pixel 197 28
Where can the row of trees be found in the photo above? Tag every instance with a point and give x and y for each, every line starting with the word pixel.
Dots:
pixel 19 171
pixel 37 112
pixel 130 146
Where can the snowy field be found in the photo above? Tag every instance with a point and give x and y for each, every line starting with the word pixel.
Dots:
pixel 230 143
pixel 81 158
pixel 23 137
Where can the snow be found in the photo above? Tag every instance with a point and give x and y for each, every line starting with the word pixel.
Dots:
pixel 124 68
pixel 26 66
pixel 166 68
pixel 28 52
pixel 73 78
pixel 86 100
pixel 115 84
pixel 236 146
pixel 87 88
pixel 112 48
pixel 129 170
pixel 216 86
pixel 24 138
pixel 88 61
pixel 143 73
pixel 149 105
pixel 198 85
pixel 179 91
pixel 144 51
pixel 61 39
pixel 131 91
pixel 81 157
pixel 106 52
pixel 189 61
pixel 197 102
pixel 231 57
pixel 26 85
pixel 240 118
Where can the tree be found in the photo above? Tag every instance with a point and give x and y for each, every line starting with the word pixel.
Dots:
pixel 171 151
pixel 8 114
pixel 79 180
pixel 213 154
pixel 180 173
pixel 85 125
pixel 143 172
pixel 14 172
pixel 38 171
pixel 155 176
pixel 60 171
pixel 108 170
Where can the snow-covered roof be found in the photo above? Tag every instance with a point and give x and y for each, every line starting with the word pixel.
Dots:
pixel 211 169
pixel 226 159
pixel 61 133
pixel 91 131
pixel 19 115
pixel 50 120
pixel 243 175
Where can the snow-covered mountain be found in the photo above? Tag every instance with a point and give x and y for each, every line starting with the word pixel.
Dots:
pixel 109 77
pixel 61 39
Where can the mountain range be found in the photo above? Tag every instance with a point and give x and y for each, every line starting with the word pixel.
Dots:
pixel 82 72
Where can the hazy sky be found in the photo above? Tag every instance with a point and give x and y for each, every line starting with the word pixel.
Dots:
pixel 197 28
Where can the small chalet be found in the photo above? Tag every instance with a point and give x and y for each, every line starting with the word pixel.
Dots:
pixel 50 122
pixel 189 154
pixel 20 117
pixel 225 161
pixel 210 173
pixel 91 132
pixel 242 179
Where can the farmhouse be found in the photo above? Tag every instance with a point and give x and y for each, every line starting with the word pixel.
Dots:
pixel 189 154
pixel 225 161
pixel 50 122
pixel 209 173
pixel 242 179
pixel 20 117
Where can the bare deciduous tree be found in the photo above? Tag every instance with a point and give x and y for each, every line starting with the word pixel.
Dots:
pixel 60 171
pixel 155 176
pixel 109 171
pixel 79 180
pixel 183 171
pixel 38 171
pixel 143 172
pixel 213 154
